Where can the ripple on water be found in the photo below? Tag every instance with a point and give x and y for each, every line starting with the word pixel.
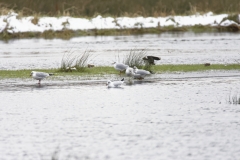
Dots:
pixel 171 117
pixel 188 48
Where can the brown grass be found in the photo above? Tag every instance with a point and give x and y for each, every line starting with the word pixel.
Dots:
pixel 90 8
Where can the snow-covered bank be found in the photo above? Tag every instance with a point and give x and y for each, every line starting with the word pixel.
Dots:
pixel 12 23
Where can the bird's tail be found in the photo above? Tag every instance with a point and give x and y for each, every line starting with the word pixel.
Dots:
pixel 122 79
pixel 152 72
pixel 51 74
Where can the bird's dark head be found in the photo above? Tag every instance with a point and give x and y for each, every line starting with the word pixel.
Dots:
pixel 108 82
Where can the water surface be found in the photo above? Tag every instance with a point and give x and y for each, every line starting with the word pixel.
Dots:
pixel 173 48
pixel 180 116
pixel 166 116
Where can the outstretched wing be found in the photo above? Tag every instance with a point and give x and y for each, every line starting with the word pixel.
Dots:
pixel 151 58
pixel 154 58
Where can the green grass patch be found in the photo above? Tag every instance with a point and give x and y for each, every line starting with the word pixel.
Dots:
pixel 23 74
pixel 194 67
pixel 108 70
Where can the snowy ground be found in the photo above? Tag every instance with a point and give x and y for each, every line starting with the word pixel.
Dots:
pixel 13 23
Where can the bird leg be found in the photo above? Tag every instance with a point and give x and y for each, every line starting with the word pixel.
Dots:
pixel 130 80
pixel 120 72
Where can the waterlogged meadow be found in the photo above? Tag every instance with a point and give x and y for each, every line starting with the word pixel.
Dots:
pixel 186 110
pixel 173 116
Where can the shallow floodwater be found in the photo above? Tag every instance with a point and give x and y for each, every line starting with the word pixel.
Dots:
pixel 166 116
pixel 173 48
pixel 174 116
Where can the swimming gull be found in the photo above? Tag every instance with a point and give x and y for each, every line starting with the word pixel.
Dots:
pixel 115 84
pixel 40 75
pixel 120 66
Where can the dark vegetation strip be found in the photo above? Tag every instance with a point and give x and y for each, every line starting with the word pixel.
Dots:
pixel 68 34
pixel 116 8
pixel 90 8
pixel 107 70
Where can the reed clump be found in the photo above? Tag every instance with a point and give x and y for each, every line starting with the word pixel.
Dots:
pixel 234 99
pixel 133 8
pixel 72 61
pixel 134 58
pixel 5 8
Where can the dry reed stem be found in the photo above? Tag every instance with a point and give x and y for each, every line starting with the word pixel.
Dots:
pixel 71 59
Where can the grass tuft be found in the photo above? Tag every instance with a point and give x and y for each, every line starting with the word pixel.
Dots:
pixel 234 99
pixel 134 58
pixel 71 61
pixel 35 19
pixel 67 61
pixel 82 60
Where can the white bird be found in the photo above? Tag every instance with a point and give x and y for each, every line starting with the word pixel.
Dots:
pixel 115 84
pixel 140 73
pixel 120 66
pixel 130 72
pixel 40 75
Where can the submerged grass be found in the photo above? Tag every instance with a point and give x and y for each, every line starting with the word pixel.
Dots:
pixel 234 99
pixel 108 70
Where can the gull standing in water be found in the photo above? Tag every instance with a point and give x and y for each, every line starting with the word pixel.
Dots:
pixel 120 66
pixel 40 75
pixel 140 73
pixel 130 73
pixel 115 84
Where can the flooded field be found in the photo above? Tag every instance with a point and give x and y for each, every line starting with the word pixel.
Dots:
pixel 166 116
pixel 178 116
pixel 173 48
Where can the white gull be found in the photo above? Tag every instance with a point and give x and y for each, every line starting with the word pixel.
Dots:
pixel 140 73
pixel 120 67
pixel 40 75
pixel 114 84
